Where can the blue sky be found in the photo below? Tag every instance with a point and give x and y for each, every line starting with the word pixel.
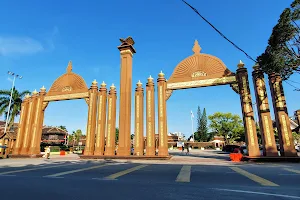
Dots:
pixel 38 38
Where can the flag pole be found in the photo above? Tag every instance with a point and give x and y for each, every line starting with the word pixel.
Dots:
pixel 193 130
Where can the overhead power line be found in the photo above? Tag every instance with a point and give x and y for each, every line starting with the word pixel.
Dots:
pixel 196 11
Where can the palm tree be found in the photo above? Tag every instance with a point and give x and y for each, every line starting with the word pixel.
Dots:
pixel 15 107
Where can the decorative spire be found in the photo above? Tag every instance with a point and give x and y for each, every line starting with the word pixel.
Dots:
pixel 35 92
pixel 112 86
pixel 139 84
pixel 241 64
pixel 43 89
pixel 94 82
pixel 103 84
pixel 196 48
pixel 69 68
pixel 161 74
pixel 27 96
pixel 150 78
pixel 256 66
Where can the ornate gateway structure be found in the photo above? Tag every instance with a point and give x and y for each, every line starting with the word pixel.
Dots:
pixel 198 70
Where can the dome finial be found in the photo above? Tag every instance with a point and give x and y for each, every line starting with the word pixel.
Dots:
pixel 69 68
pixel 196 48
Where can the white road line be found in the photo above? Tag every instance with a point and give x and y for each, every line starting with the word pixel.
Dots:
pixel 184 174
pixel 288 174
pixel 104 179
pixel 8 175
pixel 260 193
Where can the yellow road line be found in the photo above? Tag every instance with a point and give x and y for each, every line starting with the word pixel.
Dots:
pixel 32 169
pixel 292 170
pixel 74 171
pixel 127 171
pixel 253 177
pixel 184 174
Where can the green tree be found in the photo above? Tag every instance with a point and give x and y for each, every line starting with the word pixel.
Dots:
pixel 228 125
pixel 296 137
pixel 282 55
pixel 197 133
pixel 63 128
pixel 75 136
pixel 15 107
pixel 117 134
pixel 203 127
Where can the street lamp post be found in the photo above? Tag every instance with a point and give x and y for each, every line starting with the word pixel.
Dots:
pixel 10 99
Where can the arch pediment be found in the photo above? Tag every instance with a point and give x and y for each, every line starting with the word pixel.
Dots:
pixel 200 69
pixel 67 85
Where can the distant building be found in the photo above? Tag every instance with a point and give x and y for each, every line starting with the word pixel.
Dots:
pixel 54 136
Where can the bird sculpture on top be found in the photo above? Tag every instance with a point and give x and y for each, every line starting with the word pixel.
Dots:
pixel 127 41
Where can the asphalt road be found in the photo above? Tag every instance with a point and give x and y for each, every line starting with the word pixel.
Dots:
pixel 113 180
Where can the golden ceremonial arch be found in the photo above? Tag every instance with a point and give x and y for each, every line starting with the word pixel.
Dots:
pixel 197 70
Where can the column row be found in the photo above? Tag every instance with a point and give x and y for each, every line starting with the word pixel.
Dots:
pixel 101 135
pixel 30 124
pixel 285 137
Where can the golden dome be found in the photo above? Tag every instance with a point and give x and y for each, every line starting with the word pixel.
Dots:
pixel 199 66
pixel 68 83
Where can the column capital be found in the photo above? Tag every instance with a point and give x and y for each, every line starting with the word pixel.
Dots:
pixel 139 86
pixel 94 85
pixel 103 87
pixel 150 82
pixel 35 94
pixel 161 77
pixel 112 89
pixel 126 46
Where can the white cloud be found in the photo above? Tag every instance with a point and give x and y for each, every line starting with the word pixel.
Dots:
pixel 19 45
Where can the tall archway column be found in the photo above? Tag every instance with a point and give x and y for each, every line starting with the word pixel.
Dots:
pixel 92 117
pixel 126 51
pixel 286 139
pixel 22 126
pixel 29 123
pixel 101 125
pixel 265 121
pixel 37 123
pixel 162 120
pixel 139 120
pixel 110 145
pixel 248 116
pixel 150 118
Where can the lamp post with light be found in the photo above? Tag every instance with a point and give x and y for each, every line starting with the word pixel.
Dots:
pixel 11 93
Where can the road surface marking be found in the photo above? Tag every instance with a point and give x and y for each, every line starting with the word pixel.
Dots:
pixel 261 193
pixel 253 177
pixel 104 179
pixel 184 174
pixel 32 169
pixel 292 170
pixel 9 175
pixel 76 170
pixel 127 171
pixel 288 174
